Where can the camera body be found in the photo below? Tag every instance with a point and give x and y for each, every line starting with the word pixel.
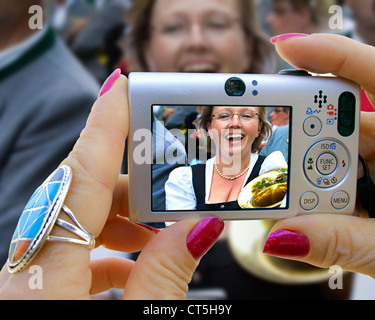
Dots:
pixel 321 142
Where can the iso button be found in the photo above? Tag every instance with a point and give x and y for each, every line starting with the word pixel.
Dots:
pixel 309 201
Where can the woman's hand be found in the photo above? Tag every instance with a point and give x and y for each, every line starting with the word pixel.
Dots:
pixel 98 198
pixel 331 239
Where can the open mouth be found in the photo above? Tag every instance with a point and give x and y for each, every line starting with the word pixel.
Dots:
pixel 235 138
pixel 200 68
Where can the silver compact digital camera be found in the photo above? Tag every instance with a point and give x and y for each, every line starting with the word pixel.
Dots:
pixel 308 166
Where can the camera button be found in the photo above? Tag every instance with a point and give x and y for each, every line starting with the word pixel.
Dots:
pixel 294 72
pixel 346 115
pixel 326 164
pixel 340 200
pixel 309 201
pixel 312 126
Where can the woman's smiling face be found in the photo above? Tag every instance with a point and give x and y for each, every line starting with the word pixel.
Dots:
pixel 234 129
pixel 197 36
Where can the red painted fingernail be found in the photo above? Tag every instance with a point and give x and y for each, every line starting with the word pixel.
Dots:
pixel 107 85
pixel 287 36
pixel 287 243
pixel 156 231
pixel 203 236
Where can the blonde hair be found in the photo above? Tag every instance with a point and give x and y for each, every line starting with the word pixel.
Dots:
pixel 205 118
pixel 138 19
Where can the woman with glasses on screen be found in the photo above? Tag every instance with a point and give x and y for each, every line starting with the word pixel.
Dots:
pixel 236 133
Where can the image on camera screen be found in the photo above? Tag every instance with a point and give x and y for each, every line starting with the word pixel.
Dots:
pixel 209 158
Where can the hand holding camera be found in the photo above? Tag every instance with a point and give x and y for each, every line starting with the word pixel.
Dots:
pixel 97 193
pixel 315 234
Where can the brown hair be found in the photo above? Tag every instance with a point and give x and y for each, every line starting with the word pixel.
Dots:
pixel 206 118
pixel 138 19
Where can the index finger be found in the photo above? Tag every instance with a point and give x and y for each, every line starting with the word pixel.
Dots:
pixel 328 53
pixel 97 157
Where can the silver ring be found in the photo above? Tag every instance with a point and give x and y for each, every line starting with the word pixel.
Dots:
pixel 40 216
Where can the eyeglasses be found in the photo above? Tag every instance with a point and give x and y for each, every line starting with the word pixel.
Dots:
pixel 245 116
pixel 211 26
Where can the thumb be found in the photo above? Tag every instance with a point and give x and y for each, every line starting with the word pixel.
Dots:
pixel 330 53
pixel 165 267
pixel 326 240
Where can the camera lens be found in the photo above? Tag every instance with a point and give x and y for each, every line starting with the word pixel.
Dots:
pixel 235 87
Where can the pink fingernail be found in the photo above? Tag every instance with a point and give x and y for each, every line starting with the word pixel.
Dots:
pixel 107 85
pixel 287 36
pixel 287 243
pixel 203 236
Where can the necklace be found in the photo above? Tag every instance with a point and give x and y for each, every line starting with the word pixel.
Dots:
pixel 231 178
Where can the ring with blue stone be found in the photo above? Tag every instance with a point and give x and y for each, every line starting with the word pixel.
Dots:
pixel 40 216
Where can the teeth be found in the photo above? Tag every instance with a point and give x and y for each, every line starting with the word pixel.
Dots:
pixel 199 68
pixel 235 137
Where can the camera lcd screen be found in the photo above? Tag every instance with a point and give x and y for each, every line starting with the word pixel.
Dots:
pixel 208 158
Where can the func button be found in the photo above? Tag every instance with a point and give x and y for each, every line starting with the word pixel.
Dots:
pixel 326 164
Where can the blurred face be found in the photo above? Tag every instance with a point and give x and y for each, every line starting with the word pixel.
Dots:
pixel 234 129
pixel 284 19
pixel 197 36
pixel 279 117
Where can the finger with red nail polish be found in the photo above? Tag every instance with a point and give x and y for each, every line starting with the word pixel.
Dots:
pixel 107 85
pixel 203 236
pixel 287 243
pixel 167 263
pixel 287 36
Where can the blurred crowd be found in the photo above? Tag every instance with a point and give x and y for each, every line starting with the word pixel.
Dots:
pixel 96 30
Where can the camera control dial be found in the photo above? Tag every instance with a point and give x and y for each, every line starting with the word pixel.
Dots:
pixel 326 163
